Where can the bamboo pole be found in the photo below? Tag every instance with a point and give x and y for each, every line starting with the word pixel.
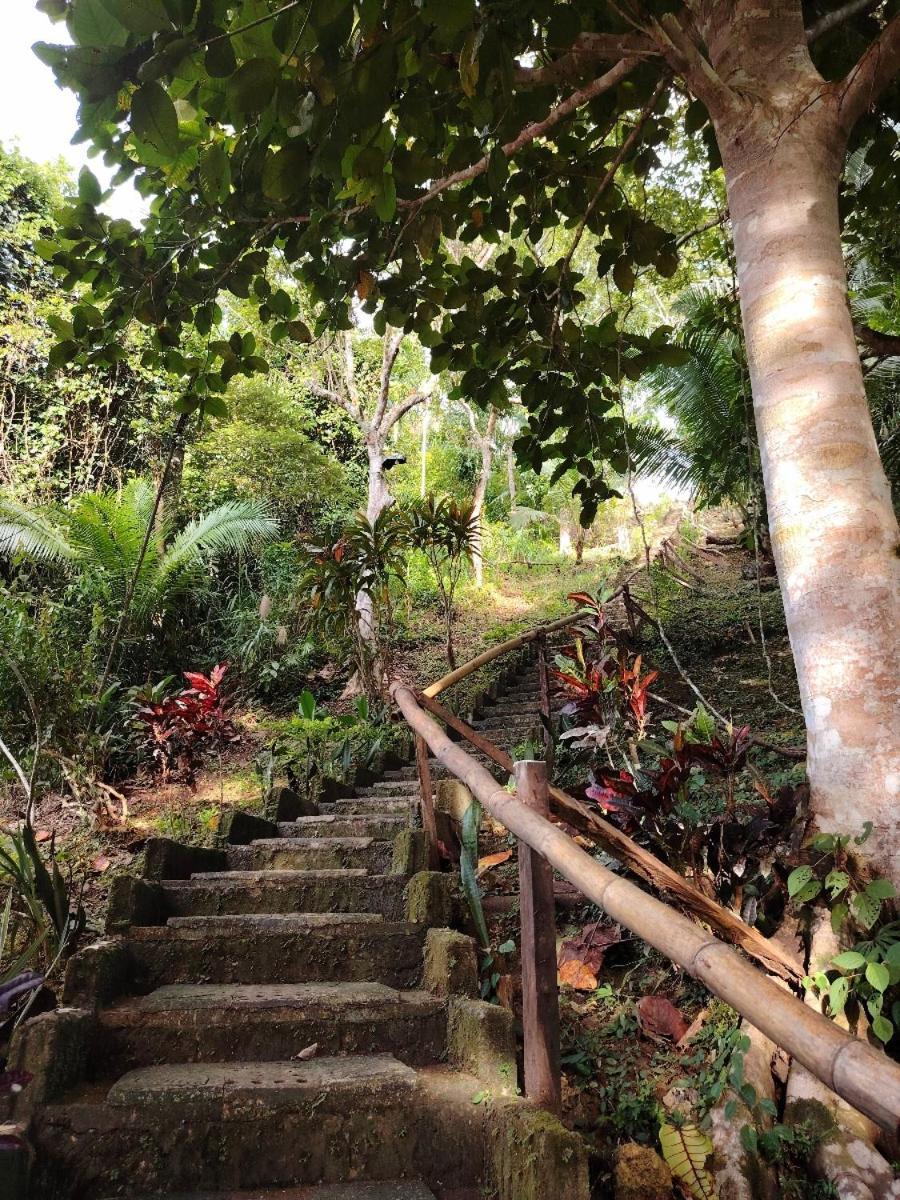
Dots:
pixel 546 711
pixel 639 860
pixel 540 994
pixel 865 1078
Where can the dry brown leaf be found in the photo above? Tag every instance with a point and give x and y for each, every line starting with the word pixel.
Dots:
pixel 308 1052
pixel 589 946
pixel 578 975
pixel 493 860
pixel 101 863
pixel 365 282
pixel 43 835
pixel 660 1018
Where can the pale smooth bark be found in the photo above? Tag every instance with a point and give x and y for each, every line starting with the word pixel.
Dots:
pixel 485 443
pixel 782 132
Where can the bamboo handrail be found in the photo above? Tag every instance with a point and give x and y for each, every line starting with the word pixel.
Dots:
pixel 647 865
pixel 864 1077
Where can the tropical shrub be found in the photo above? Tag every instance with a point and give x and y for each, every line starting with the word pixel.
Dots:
pixel 179 727
pixel 446 532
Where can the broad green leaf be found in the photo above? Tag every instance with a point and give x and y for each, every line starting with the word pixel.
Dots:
pixel 866 909
pixel 878 975
pixel 798 879
pixel 836 882
pixel 468 61
pixel 883 1029
pixel 139 16
pixel 837 995
pixel 215 174
pixel 849 960
pixel 154 120
pixel 285 171
pixel 881 889
pixel 252 86
pixel 92 24
pixel 88 188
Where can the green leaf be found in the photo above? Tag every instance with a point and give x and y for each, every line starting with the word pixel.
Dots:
pixel 154 120
pixel 252 86
pixel 215 174
pixel 798 879
pixel 881 889
pixel 91 24
pixel 88 187
pixel 883 1029
pixel 865 909
pixel 139 16
pixel 836 882
pixel 686 1149
pixel 386 200
pixel 468 61
pixel 878 975
pixel 285 171
pixel 623 276
pixel 837 995
pixel 838 917
pixel 849 960
pixel 220 61
pixel 497 170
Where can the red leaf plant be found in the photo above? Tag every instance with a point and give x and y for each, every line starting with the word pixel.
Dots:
pixel 179 726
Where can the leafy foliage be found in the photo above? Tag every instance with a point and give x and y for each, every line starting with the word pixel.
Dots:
pixel 179 726
pixel 446 532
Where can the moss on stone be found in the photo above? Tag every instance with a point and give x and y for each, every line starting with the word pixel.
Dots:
pixel 451 963
pixel 409 852
pixel 429 899
pixel 481 1040
pixel 534 1157
pixel 640 1174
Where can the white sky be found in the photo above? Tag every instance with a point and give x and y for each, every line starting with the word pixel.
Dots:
pixel 37 115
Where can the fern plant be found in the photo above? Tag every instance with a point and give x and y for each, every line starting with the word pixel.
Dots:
pixel 101 538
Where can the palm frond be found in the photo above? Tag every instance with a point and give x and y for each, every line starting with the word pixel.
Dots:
pixel 40 533
pixel 231 528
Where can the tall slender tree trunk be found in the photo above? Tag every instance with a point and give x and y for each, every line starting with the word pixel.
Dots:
pixel 423 467
pixel 481 487
pixel 833 529
pixel 511 476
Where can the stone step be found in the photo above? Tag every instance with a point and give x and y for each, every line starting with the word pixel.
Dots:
pixel 261 1125
pixel 265 948
pixel 390 787
pixel 400 1189
pixel 299 853
pixel 232 892
pixel 346 825
pixel 387 804
pixel 219 1023
pixel 516 722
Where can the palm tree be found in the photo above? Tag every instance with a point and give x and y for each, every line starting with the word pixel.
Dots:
pixel 102 536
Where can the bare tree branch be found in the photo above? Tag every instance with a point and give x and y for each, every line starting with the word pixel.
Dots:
pixel 399 410
pixel 536 129
pixel 586 51
pixel 832 20
pixel 390 348
pixel 883 345
pixel 871 75
pixel 683 54
pixel 338 398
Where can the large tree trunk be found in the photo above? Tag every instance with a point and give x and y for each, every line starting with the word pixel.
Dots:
pixel 833 530
pixel 378 499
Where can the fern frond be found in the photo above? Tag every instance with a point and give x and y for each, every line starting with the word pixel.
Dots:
pixel 231 528
pixel 39 533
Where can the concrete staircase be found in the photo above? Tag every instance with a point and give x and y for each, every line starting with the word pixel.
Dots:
pixel 289 1017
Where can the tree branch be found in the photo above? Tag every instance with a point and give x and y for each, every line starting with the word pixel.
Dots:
pixel 402 407
pixel 390 348
pixel 871 75
pixel 535 130
pixel 832 20
pixel 587 50
pixel 882 345
pixel 684 56
pixel 336 398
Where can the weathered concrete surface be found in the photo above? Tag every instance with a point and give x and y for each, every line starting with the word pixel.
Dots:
pixel 168 859
pixel 451 963
pixel 265 948
pixel 481 1040
pixel 312 853
pixel 268 1022
pixel 325 891
pixel 383 827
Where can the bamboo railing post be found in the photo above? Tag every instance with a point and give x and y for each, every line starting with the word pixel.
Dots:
pixel 428 820
pixel 540 998
pixel 546 714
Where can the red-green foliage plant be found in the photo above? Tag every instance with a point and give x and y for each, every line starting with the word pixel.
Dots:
pixel 179 727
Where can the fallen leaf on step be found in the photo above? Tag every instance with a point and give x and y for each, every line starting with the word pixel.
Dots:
pixel 100 863
pixel 308 1052
pixel 660 1018
pixel 693 1029
pixel 589 946
pixel 43 835
pixel 492 860
pixel 578 975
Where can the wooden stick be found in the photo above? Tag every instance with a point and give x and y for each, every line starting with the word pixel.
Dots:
pixel 863 1076
pixel 429 824
pixel 546 711
pixel 660 876
pixel 540 995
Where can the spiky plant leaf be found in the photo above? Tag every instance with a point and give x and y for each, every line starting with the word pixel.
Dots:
pixel 39 533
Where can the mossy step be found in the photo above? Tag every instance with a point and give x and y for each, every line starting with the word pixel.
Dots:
pixel 506 721
pixel 219 1023
pixel 266 948
pixel 327 891
pixel 384 804
pixel 374 825
pixel 261 1125
pixel 389 786
pixel 298 853
pixel 401 1189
